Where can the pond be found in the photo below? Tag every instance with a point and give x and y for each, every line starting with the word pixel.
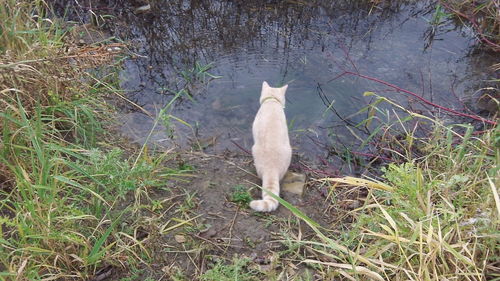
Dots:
pixel 215 55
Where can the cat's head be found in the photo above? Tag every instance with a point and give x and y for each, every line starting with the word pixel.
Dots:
pixel 268 91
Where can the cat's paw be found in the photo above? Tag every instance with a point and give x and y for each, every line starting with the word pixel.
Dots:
pixel 264 205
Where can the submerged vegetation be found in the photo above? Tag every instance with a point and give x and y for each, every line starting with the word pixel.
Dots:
pixel 73 198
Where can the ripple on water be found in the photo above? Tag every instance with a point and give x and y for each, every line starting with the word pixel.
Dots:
pixel 303 45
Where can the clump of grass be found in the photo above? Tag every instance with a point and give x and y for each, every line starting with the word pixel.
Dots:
pixel 439 219
pixel 241 196
pixel 237 270
pixel 60 214
pixel 27 39
pixel 199 72
pixel 37 67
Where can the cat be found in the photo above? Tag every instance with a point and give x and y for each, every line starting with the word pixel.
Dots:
pixel 271 151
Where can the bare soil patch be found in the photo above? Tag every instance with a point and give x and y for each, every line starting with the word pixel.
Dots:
pixel 198 226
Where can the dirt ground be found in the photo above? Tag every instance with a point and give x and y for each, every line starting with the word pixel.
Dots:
pixel 197 224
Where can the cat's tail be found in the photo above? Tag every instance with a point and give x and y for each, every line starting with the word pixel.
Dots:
pixel 268 203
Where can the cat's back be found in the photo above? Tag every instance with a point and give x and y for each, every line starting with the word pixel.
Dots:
pixel 270 127
pixel 270 130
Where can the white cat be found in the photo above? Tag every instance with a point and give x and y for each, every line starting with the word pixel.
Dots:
pixel 271 151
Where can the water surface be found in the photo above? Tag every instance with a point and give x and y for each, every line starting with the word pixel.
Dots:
pixel 301 43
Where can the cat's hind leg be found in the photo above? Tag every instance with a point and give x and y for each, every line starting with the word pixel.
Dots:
pixel 268 203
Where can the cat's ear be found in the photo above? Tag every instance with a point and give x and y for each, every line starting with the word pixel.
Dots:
pixel 265 85
pixel 283 89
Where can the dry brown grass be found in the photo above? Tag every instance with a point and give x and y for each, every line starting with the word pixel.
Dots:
pixel 38 64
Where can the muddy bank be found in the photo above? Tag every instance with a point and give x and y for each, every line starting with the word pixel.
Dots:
pixel 196 223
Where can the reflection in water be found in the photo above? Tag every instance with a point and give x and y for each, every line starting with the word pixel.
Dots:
pixel 303 43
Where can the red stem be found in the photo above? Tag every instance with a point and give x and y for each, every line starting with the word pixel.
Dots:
pixel 240 147
pixel 475 117
pixel 372 155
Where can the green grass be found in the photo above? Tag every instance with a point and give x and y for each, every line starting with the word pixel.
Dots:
pixel 440 221
pixel 67 206
pixel 241 196
pixel 438 17
pixel 235 271
pixel 20 28
pixel 199 72
pixel 192 81
pixel 62 210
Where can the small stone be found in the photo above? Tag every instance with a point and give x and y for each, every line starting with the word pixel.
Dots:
pixel 180 238
pixel 294 182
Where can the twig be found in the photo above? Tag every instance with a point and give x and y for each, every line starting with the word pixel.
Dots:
pixel 344 49
pixel 475 117
pixel 372 155
pixel 329 104
pixel 208 241
pixel 240 147
pixel 231 228
pixel 120 95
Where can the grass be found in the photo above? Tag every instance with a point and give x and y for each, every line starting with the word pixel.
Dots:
pixel 236 270
pixel 192 81
pixel 199 72
pixel 440 216
pixel 72 204
pixel 241 196
pixel 65 207
pixel 438 17
pixel 60 211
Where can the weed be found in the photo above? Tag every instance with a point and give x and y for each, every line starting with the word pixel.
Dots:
pixel 178 275
pixel 156 205
pixel 111 171
pixel 306 276
pixel 134 273
pixel 437 214
pixel 438 17
pixel 186 167
pixel 198 73
pixel 60 194
pixel 192 81
pixel 241 196
pixel 236 271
